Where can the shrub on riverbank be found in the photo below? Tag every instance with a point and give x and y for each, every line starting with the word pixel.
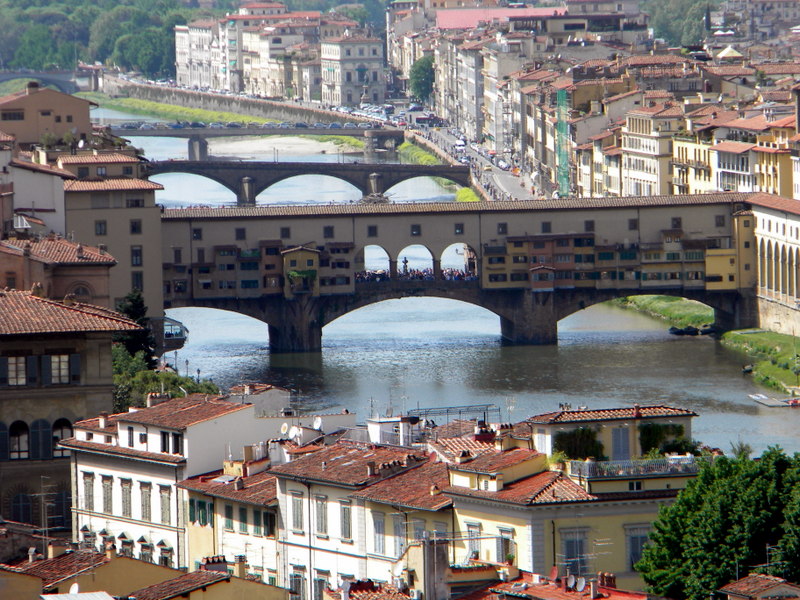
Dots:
pixel 466 194
pixel 414 154
pixel 676 311
pixel 773 356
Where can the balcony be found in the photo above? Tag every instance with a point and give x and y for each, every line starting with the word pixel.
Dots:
pixel 622 469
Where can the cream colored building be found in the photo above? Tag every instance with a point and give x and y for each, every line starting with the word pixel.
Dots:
pixel 647 149
pixel 352 70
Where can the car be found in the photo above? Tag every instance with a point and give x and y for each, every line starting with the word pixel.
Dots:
pixel 301 125
pixel 216 126
pixel 147 126
pixel 269 125
pixel 233 125
pixel 365 125
pixel 464 160
pixel 335 125
pixel 319 126
pixel 350 126
pixel 286 126
pixel 197 124
pixel 175 125
pixel 415 108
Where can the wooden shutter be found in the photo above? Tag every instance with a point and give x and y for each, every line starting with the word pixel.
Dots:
pixel 74 368
pixel 41 447
pixel 47 375
pixel 32 369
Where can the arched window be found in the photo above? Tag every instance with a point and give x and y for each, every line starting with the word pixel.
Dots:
pixel 41 440
pixel 82 293
pixel 21 508
pixel 19 441
pixel 62 429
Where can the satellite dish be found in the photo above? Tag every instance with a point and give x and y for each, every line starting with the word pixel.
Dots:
pixel 81 144
pixel 284 429
pixel 74 588
pixel 571 581
pixel 581 584
pixel 293 432
pixel 318 423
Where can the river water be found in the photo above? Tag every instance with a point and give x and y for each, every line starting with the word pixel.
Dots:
pixel 417 352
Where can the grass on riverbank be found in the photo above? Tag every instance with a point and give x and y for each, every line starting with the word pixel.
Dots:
pixel 773 356
pixel 679 312
pixel 466 194
pixel 414 154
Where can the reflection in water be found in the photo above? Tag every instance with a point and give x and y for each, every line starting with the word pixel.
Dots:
pixel 433 352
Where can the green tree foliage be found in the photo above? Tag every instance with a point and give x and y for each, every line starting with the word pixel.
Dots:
pixel 133 380
pixel 133 307
pixel 726 517
pixel 679 22
pixel 421 78
pixel 579 444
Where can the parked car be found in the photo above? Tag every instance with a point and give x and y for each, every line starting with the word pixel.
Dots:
pixel 301 125
pixel 335 125
pixel 319 126
pixel 216 126
pixel 233 125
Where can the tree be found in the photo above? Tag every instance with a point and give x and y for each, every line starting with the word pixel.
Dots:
pixel 722 521
pixel 133 307
pixel 421 78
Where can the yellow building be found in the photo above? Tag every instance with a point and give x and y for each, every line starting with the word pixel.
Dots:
pixel 773 169
pixel 301 267
pixel 691 166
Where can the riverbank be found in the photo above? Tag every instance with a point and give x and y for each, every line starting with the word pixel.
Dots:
pixel 773 356
pixel 679 312
pixel 411 153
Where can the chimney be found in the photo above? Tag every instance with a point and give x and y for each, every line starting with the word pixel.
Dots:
pixel 435 491
pixel 238 483
pixel 79 251
pixel 55 549
pixel 32 87
pixel 31 554
pixel 240 566
pixel 637 411
pixel 69 300
pixel 37 290
pixel 102 420
pixel 371 469
pixel 592 590
pixel 111 551
pixel 102 248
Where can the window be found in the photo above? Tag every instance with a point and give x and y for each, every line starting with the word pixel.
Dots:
pixel 719 221
pixel 228 517
pixel 136 256
pixel 634 486
pixel 676 223
pixel 241 233
pixel 12 115
pixel 502 228
pixel 379 529
pixel 127 171
pixel 321 509
pixel 133 202
pixel 59 368
pixel 297 513
pixel 145 491
pixel 399 525
pixel 346 520
pixel 573 547
pixel 126 485
pixel 242 519
pixel 459 229
pixel 130 437
pixel 473 540
pixel 320 583
pixel 19 441
pixel 165 558
pixel 673 255
pixel 165 442
pixel 372 231
pixel 327 232
pixel 137 280
pixel 269 523
pixel 88 491
pixel 177 443
pixel 100 228
pixel 108 499
pixel 505 545
pixel 256 522
pixel 62 429
pixel 416 230
pixel 136 226
pixel 197 233
pixel 588 226
pixel 166 494
pixel 633 224
pixel 83 172
pixel 297 585
pixel 636 537
pixel 22 508
pixel 15 366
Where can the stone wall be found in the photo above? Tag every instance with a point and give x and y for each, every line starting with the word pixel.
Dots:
pixel 268 109
pixel 777 316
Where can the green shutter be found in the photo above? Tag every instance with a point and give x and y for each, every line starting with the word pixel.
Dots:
pixel 192 511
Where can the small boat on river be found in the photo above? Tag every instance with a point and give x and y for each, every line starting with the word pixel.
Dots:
pixel 688 330
pixel 776 402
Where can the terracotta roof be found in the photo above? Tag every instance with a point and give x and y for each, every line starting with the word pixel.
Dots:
pixel 260 488
pixel 450 448
pixel 100 448
pixel 729 70
pixel 648 60
pixel 757 123
pixel 779 68
pixel 370 590
pixel 753 585
pixel 54 570
pixel 86 158
pixel 455 428
pixel 347 463
pixel 611 414
pixel 23 313
pixel 57 250
pixel 733 147
pixel 178 413
pixel 787 121
pixel 468 18
pixel 113 184
pixel 179 586
pixel 492 462
pixel 547 487
pixel 551 590
pixel 450 207
pixel 417 488
pixel 775 202
pixel 659 111
pixel 47 169
pixel 6 137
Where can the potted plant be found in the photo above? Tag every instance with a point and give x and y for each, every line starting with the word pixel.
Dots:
pixel 510 558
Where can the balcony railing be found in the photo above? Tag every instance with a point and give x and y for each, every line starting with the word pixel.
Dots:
pixel 678 465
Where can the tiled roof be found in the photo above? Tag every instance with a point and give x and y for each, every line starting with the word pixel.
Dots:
pixel 53 570
pixel 733 147
pixel 98 448
pixel 730 70
pixel 57 250
pixel 454 428
pixel 110 185
pixel 492 462
pixel 779 68
pixel 6 137
pixel 256 489
pixel 468 18
pixel 787 121
pixel 179 586
pixel 47 169
pixel 450 207
pixel 611 414
pixel 753 585
pixel 757 123
pixel 450 448
pixel 178 413
pixel 551 590
pixel 412 488
pixel 547 487
pixel 347 463
pixel 86 159
pixel 775 202
pixel 24 313
pixel 659 111
pixel 649 60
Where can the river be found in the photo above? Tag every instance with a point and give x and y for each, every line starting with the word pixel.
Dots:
pixel 417 352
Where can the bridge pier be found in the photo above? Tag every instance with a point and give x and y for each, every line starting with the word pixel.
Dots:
pixel 198 148
pixel 530 321
pixel 375 183
pixel 297 329
pixel 247 192
pixel 392 268
pixel 744 313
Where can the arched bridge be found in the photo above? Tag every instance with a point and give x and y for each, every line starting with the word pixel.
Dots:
pixel 64 81
pixel 248 179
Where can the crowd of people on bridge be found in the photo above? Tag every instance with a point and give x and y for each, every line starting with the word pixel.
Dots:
pixel 415 275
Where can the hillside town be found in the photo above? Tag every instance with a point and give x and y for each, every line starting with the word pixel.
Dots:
pixel 240 493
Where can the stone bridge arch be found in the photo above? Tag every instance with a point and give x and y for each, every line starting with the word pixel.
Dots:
pixel 63 82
